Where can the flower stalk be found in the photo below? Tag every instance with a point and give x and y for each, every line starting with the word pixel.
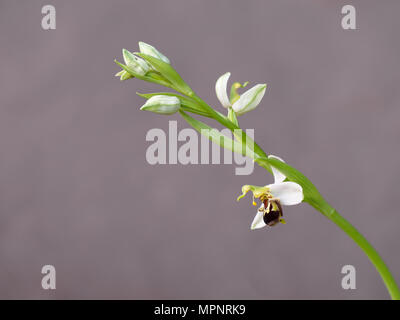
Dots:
pixel 369 250
pixel 290 187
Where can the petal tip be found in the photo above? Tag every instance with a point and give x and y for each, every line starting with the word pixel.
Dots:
pixel 221 89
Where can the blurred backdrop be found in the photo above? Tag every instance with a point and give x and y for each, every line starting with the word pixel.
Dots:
pixel 77 192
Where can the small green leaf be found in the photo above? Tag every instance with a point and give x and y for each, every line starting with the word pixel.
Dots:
pixel 238 132
pixel 215 136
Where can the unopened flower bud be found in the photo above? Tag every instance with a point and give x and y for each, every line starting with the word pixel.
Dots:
pixel 137 64
pixel 151 51
pixel 162 104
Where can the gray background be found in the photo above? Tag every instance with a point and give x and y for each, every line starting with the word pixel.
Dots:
pixel 76 190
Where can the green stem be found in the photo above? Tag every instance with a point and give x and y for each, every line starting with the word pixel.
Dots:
pixel 318 203
pixel 368 249
pixel 231 126
pixel 322 206
pixel 315 199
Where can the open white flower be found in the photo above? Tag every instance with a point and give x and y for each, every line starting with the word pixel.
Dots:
pixel 247 101
pixel 272 196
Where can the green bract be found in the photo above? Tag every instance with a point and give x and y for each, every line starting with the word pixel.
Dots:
pixel 215 136
pixel 168 73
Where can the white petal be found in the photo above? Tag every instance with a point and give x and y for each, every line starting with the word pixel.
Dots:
pixel 278 176
pixel 289 193
pixel 250 99
pixel 258 221
pixel 151 51
pixel 221 89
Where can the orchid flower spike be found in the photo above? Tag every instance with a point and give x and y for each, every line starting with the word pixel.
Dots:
pixel 272 197
pixel 247 101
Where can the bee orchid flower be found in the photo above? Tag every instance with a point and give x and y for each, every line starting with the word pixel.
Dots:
pixel 290 187
pixel 272 197
pixel 246 102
